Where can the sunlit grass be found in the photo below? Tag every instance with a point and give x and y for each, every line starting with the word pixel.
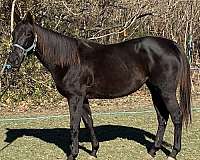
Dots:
pixel 122 137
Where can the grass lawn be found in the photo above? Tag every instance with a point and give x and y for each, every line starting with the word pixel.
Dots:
pixel 122 137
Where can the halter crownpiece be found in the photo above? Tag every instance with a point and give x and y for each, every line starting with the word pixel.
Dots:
pixel 32 47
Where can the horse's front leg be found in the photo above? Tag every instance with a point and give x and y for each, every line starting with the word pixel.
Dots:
pixel 88 121
pixel 75 108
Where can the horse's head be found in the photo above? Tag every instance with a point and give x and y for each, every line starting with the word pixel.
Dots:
pixel 24 40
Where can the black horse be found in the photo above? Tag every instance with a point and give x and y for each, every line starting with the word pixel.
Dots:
pixel 84 70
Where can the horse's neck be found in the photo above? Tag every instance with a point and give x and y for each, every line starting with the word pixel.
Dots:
pixel 41 45
pixel 54 49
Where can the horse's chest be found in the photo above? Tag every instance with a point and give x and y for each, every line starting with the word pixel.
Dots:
pixel 60 84
pixel 61 89
pixel 69 84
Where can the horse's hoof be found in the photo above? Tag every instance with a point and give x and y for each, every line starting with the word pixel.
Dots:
pixel 149 157
pixel 94 154
pixel 70 157
pixel 170 158
pixel 92 158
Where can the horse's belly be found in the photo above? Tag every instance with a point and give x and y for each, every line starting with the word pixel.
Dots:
pixel 114 89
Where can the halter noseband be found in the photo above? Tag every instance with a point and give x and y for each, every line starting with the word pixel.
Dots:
pixel 25 51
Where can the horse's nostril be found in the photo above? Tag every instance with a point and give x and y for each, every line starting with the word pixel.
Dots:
pixel 10 59
pixel 16 62
pixel 13 60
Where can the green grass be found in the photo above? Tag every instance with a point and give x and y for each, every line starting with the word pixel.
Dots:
pixel 123 137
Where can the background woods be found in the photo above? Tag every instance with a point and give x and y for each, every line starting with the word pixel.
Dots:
pixel 103 21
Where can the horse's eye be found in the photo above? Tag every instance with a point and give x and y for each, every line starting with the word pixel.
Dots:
pixel 29 34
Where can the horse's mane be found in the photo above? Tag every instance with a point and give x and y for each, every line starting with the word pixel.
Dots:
pixel 57 48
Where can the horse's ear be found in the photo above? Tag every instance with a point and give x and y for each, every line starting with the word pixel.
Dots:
pixel 28 18
pixel 17 18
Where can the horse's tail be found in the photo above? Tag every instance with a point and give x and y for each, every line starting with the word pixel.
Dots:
pixel 185 89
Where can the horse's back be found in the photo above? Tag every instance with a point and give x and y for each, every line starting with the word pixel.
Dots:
pixel 120 69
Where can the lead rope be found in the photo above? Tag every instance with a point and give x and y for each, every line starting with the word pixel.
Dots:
pixel 5 63
pixel 1 74
pixel 5 90
pixel 8 66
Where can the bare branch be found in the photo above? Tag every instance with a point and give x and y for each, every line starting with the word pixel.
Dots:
pixel 127 25
pixel 69 9
pixel 58 22
pixel 12 16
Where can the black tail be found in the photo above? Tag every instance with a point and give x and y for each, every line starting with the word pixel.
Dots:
pixel 185 90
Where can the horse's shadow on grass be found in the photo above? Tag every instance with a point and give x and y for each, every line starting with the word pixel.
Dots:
pixel 61 136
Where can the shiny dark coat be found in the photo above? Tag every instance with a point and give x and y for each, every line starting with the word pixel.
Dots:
pixel 83 70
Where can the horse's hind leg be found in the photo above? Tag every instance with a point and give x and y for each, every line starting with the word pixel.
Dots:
pixel 162 116
pixel 88 121
pixel 177 119
pixel 168 96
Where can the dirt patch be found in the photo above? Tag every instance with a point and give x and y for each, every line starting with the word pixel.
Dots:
pixel 138 100
pixel 141 98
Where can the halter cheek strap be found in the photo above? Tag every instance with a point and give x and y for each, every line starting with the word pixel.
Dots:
pixel 25 51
